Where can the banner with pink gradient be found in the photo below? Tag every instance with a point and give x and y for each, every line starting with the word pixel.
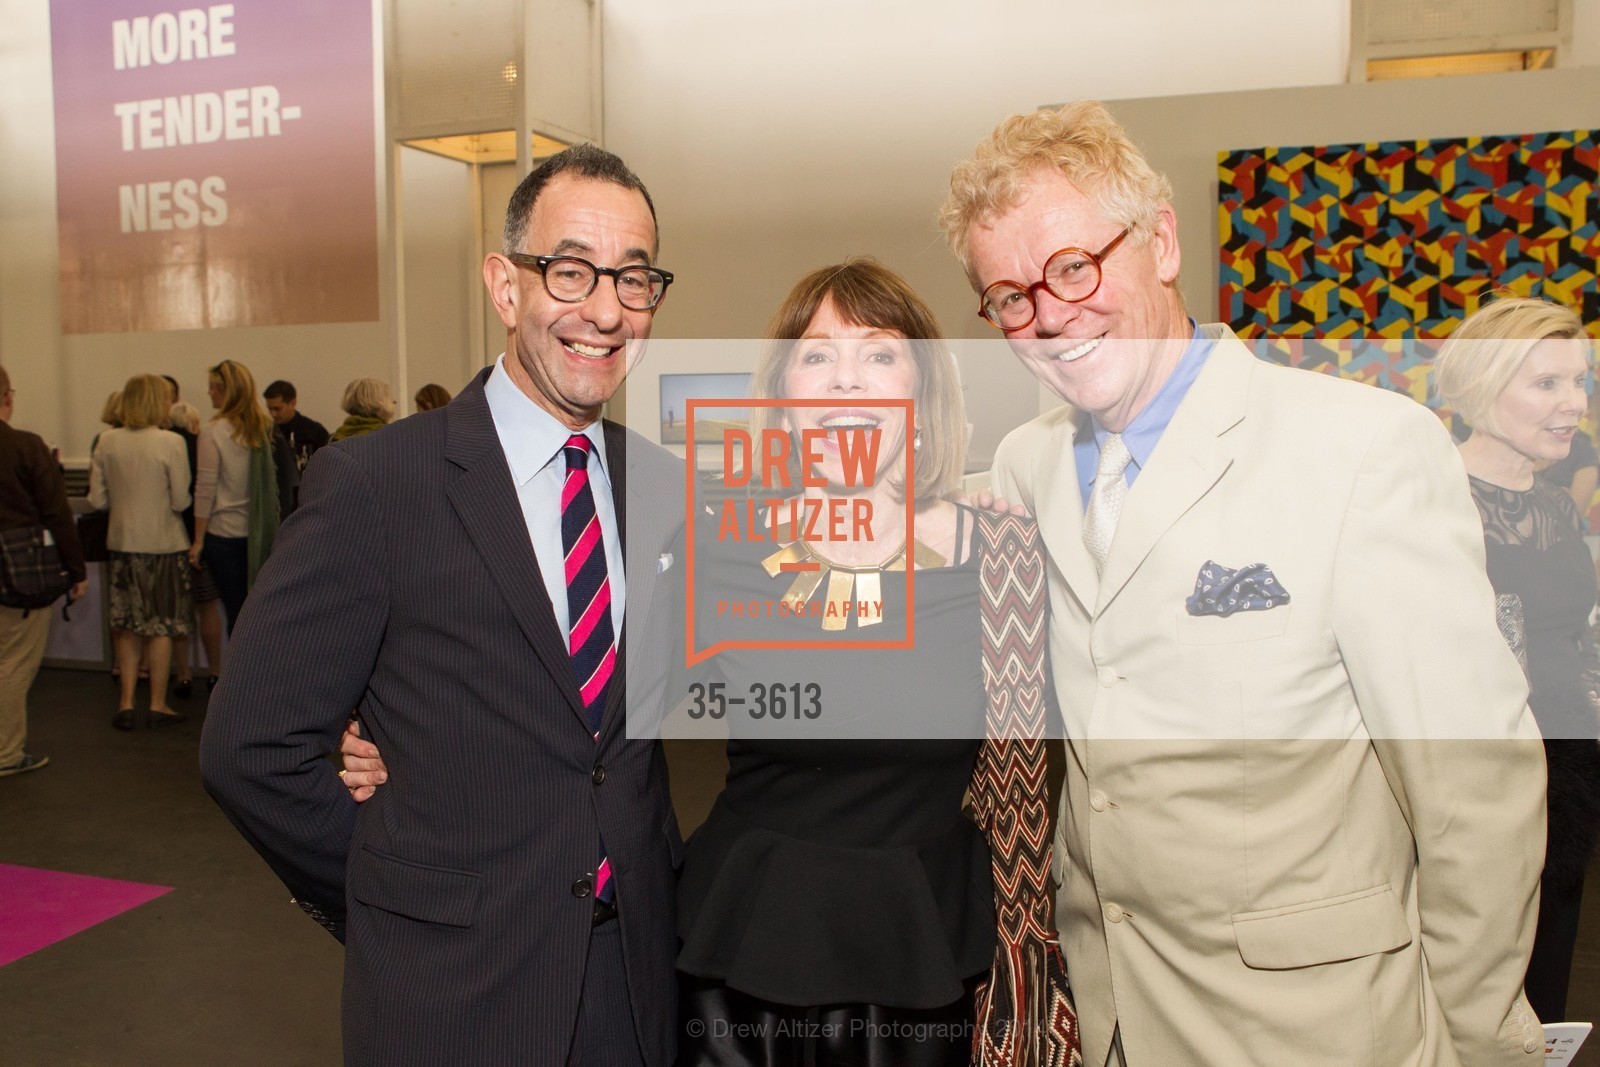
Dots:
pixel 215 165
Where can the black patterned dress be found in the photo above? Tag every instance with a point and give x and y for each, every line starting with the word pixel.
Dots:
pixel 1534 542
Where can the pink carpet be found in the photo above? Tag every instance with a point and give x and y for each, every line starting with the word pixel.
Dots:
pixel 39 908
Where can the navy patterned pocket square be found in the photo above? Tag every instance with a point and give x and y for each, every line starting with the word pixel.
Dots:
pixel 1220 591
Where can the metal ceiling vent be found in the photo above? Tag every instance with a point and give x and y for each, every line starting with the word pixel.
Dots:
pixel 1424 38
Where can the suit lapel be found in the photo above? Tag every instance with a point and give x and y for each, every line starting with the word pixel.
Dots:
pixel 649 508
pixel 638 587
pixel 1058 502
pixel 1191 457
pixel 485 499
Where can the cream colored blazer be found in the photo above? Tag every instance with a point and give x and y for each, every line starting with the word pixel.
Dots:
pixel 1275 844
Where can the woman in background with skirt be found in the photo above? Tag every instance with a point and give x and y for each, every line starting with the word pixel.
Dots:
pixel 140 472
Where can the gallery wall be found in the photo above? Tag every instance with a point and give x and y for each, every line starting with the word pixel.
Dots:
pixel 779 137
pixel 775 138
pixel 61 379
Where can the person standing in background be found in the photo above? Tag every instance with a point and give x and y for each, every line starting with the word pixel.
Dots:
pixel 1517 371
pixel 368 405
pixel 110 415
pixel 32 493
pixel 432 396
pixel 303 434
pixel 183 419
pixel 140 473
pixel 236 505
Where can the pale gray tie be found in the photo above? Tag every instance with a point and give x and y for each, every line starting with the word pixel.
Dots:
pixel 1105 499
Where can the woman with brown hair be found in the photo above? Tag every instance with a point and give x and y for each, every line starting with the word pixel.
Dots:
pixel 432 396
pixel 236 487
pixel 140 472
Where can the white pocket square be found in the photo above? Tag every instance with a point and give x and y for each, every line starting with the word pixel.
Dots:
pixel 663 562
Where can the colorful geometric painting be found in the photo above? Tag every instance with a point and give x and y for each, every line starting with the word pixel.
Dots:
pixel 1356 260
pixel 1402 239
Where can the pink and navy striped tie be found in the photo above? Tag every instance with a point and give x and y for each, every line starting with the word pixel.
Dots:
pixel 591 642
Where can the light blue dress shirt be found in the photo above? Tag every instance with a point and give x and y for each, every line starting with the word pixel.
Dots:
pixel 1147 427
pixel 532 440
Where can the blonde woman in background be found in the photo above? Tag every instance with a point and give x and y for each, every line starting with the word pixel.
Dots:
pixel 235 506
pixel 185 416
pixel 368 405
pixel 140 473
pixel 111 415
pixel 432 396
pixel 1517 371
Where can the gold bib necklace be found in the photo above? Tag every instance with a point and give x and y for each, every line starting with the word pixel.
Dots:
pixel 852 591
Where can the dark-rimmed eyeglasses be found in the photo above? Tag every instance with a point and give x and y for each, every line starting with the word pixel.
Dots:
pixel 1071 275
pixel 571 280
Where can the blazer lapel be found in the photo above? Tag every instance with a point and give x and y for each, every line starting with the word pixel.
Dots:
pixel 1191 457
pixel 485 499
pixel 1058 503
pixel 648 509
pixel 637 600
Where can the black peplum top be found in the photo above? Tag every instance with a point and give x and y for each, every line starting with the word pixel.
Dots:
pixel 838 865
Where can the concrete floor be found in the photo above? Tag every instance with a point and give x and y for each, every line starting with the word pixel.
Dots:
pixel 224 969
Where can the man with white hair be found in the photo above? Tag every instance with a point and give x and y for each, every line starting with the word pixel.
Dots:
pixel 1302 817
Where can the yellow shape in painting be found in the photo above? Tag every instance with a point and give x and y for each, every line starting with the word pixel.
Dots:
pixel 1297 162
pixel 1365 215
pixel 1414 206
pixel 1393 175
pixel 1345 328
pixel 1416 305
pixel 1569 290
pixel 1387 254
pixel 1416 380
pixel 1339 176
pixel 1573 208
pixel 1313 301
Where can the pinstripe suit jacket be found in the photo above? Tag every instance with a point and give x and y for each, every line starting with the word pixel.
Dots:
pixel 405 586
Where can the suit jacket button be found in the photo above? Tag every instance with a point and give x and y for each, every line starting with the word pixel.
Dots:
pixel 598 775
pixel 582 888
pixel 1113 913
pixel 1531 1046
pixel 1108 677
pixel 1097 800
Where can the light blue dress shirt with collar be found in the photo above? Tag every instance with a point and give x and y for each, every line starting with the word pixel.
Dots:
pixel 532 440
pixel 1146 429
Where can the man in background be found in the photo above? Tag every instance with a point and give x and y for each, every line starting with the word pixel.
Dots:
pixel 1304 799
pixel 303 434
pixel 32 493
